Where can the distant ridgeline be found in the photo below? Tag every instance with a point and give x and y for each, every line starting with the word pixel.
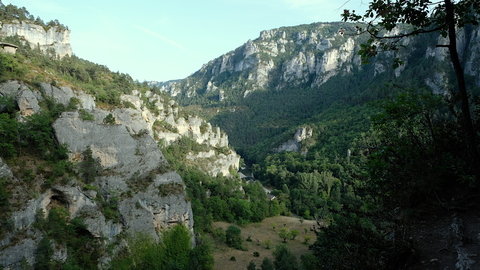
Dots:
pixel 19 26
pixel 266 89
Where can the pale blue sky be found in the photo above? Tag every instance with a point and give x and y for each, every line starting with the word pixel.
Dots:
pixel 171 39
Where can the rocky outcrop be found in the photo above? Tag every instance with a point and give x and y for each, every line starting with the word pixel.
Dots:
pixel 55 38
pixel 216 163
pixel 28 97
pixel 295 144
pixel 308 56
pixel 133 177
pixel 5 171
pixel 133 174
pixel 167 127
pixel 165 124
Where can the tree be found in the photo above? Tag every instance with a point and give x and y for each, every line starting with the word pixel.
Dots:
pixel 251 266
pixel 234 237
pixel 266 264
pixel 201 257
pixel 177 245
pixel 268 242
pixel 283 234
pixel 306 238
pixel 89 166
pixel 294 233
pixel 426 17
pixel 284 258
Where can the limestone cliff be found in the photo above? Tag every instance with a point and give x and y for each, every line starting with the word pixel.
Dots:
pixel 132 171
pixel 308 56
pixel 168 125
pixel 55 38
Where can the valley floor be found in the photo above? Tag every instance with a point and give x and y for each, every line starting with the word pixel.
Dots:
pixel 259 233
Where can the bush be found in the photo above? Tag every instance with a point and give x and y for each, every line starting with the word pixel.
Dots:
pixel 85 116
pixel 284 259
pixel 109 119
pixel 8 135
pixel 234 237
pixel 89 166
pixel 219 235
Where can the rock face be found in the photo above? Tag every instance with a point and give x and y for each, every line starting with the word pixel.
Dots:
pixel 167 126
pixel 135 165
pixel 308 56
pixel 132 173
pixel 294 144
pixel 54 38
pixel 28 97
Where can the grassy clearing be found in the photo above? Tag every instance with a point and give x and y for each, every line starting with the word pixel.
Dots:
pixel 259 233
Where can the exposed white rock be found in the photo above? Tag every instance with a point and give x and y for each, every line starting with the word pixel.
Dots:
pixel 129 159
pixel 27 100
pixel 215 165
pixel 53 38
pixel 294 144
pixel 5 171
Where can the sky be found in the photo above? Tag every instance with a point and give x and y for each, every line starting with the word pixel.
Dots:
pixel 160 40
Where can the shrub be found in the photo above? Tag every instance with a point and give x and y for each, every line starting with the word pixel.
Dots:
pixel 233 237
pixel 284 258
pixel 8 135
pixel 85 116
pixel 219 235
pixel 89 166
pixel 109 119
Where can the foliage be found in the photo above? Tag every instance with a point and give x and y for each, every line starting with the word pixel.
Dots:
pixel 8 135
pixel 444 17
pixel 267 264
pixel 109 206
pixel 9 13
pixel 201 257
pixel 225 202
pixel 89 167
pixel 109 119
pixel 173 252
pixel 177 245
pixel 83 250
pixel 352 240
pixel 44 254
pixel 283 234
pixel 10 68
pixel 86 116
pixel 294 233
pixel 251 266
pixel 233 237
pixel 143 253
pixel 284 259
pixel 415 153
pixel 219 235
pixel 5 206
pixel 308 261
